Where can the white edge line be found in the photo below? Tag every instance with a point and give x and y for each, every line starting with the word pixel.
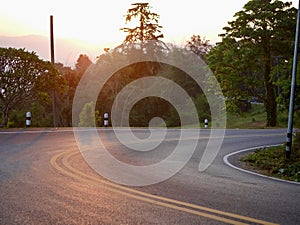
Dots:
pixel 54 130
pixel 34 131
pixel 225 160
pixel 83 129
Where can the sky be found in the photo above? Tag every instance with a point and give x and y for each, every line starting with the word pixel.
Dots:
pixel 97 22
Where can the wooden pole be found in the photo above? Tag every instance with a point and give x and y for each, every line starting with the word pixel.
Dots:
pixel 53 62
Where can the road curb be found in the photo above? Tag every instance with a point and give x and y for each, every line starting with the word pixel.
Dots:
pixel 226 161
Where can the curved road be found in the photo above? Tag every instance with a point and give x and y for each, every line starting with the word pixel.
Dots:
pixel 45 180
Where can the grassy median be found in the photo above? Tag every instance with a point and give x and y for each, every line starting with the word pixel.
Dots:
pixel 272 161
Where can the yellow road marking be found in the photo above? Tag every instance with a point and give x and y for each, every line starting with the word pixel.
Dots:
pixel 146 197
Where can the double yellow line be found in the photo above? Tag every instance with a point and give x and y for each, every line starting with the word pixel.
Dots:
pixel 61 162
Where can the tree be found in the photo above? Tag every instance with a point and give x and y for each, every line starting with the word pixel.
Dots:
pixel 65 98
pixel 200 46
pixel 140 40
pixel 148 28
pixel 266 28
pixel 72 78
pixel 88 117
pixel 22 76
pixel 284 72
pixel 237 69
pixel 82 64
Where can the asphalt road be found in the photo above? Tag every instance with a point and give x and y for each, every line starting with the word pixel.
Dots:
pixel 45 180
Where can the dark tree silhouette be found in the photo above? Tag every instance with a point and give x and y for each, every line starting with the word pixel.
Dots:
pixel 148 28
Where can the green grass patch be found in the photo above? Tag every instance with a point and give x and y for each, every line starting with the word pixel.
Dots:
pixel 272 161
pixel 255 118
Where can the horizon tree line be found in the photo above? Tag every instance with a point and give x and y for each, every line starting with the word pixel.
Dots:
pixel 252 61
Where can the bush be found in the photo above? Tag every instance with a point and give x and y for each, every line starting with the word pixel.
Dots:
pixel 273 161
pixel 88 117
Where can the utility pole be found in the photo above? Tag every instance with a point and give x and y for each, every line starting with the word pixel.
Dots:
pixel 292 94
pixel 53 62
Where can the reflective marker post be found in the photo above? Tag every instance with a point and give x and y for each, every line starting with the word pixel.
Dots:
pixel 206 123
pixel 292 94
pixel 28 119
pixel 106 119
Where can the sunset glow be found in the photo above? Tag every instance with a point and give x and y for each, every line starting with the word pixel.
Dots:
pixel 96 24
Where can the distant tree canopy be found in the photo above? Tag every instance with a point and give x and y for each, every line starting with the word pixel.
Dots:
pixel 260 38
pixel 253 61
pixel 22 77
pixel 200 46
pixel 82 64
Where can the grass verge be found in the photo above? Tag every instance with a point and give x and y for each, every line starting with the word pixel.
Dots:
pixel 255 118
pixel 272 161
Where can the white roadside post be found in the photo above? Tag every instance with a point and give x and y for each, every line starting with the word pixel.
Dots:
pixel 28 119
pixel 206 123
pixel 106 119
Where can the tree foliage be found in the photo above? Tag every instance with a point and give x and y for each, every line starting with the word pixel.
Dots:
pixel 72 78
pixel 200 46
pixel 237 69
pixel 22 77
pixel 82 64
pixel 262 34
pixel 147 108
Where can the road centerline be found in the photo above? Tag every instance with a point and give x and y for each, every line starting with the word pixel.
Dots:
pixel 146 197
